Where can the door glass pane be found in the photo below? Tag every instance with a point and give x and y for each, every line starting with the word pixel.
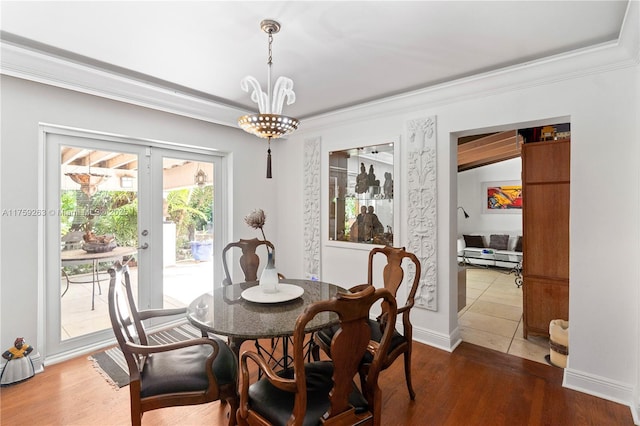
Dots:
pixel 187 230
pixel 98 214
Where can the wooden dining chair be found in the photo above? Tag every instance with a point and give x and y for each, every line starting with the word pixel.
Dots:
pixel 393 277
pixel 249 260
pixel 322 392
pixel 189 372
pixel 249 263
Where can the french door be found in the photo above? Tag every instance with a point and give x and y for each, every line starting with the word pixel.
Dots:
pixel 110 198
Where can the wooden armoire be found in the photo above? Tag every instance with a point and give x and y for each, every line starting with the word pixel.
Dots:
pixel 545 230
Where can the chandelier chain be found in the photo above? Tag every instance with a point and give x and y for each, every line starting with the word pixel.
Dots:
pixel 269 61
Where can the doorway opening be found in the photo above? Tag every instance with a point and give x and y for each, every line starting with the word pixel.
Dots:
pixel 491 311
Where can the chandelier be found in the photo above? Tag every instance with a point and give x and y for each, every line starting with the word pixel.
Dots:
pixel 269 123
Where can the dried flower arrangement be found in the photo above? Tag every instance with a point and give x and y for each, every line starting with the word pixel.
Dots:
pixel 256 220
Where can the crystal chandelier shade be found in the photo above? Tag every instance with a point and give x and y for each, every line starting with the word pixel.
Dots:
pixel 268 125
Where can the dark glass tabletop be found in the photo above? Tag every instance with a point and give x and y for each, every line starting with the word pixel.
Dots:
pixel 226 313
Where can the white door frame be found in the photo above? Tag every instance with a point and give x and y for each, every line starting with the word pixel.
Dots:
pixel 52 348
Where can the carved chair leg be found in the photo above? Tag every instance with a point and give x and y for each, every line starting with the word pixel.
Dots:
pixel 134 400
pixel 234 404
pixel 407 374
pixel 136 419
pixel 364 369
pixel 315 350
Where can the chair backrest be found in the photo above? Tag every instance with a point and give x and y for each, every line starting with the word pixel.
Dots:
pixel 393 274
pixel 125 320
pixel 348 346
pixel 249 260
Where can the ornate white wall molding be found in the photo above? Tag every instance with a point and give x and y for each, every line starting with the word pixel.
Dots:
pixel 421 210
pixel 30 64
pixel 311 208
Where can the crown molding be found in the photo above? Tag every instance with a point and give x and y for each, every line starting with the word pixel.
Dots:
pixel 22 62
pixel 630 31
pixel 595 60
pixel 621 53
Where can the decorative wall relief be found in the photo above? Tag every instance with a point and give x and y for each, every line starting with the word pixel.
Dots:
pixel 311 208
pixel 421 211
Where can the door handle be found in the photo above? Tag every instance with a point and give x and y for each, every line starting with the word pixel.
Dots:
pixel 144 246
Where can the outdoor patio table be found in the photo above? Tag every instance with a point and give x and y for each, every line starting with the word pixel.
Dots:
pixel 81 257
pixel 225 312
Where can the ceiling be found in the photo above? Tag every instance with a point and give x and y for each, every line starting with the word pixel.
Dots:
pixel 339 54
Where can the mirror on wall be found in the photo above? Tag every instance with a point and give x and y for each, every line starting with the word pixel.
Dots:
pixel 361 185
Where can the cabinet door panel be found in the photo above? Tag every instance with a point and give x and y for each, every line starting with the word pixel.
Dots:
pixel 546 161
pixel 545 300
pixel 546 230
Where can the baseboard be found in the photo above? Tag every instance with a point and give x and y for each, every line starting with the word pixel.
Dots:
pixel 438 340
pixel 36 358
pixel 74 353
pixel 602 387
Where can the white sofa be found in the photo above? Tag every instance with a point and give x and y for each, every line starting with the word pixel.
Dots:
pixel 484 250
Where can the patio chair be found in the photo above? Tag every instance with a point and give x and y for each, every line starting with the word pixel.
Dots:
pixel 322 392
pixel 189 372
pixel 401 343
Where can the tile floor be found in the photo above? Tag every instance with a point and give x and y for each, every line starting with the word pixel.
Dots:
pixel 492 317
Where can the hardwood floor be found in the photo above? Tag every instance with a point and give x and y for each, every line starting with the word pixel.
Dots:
pixel 471 386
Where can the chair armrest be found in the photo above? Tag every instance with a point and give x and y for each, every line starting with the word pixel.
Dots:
pixel 288 385
pixel 405 308
pixel 151 349
pixel 153 313
pixel 373 347
pixel 358 288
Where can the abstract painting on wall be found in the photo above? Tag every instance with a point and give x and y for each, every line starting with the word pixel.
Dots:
pixel 502 197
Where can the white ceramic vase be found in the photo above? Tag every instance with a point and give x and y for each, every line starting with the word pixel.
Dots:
pixel 269 276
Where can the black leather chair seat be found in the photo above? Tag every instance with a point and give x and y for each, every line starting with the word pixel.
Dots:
pixel 276 405
pixel 183 370
pixel 376 334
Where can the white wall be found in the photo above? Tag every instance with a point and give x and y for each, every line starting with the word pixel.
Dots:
pixel 26 104
pixel 470 197
pixel 596 91
pixel 602 107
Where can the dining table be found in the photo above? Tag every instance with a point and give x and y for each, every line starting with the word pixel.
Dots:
pixel 243 312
